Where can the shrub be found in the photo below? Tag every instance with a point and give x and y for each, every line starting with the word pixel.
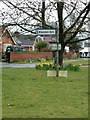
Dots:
pixel 4 60
pixel 40 45
pixel 48 59
pixel 45 50
pixel 70 67
pixel 29 60
pixel 19 60
pixel 44 66
pixel 36 60
pixel 38 67
pixel 51 66
pixel 12 61
pixel 76 68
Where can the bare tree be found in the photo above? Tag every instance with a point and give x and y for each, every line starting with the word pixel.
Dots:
pixel 72 18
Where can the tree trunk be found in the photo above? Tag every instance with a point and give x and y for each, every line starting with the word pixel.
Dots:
pixel 43 14
pixel 61 39
pixel 61 56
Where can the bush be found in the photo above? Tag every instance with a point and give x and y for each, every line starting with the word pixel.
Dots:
pixel 40 45
pixel 29 60
pixel 46 50
pixel 70 67
pixel 36 60
pixel 38 67
pixel 76 68
pixel 4 60
pixel 19 60
pixel 12 61
pixel 51 66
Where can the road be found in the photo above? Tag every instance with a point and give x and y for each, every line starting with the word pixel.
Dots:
pixel 3 64
pixel 16 65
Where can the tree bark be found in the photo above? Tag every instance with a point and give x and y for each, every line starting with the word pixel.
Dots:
pixel 61 56
pixel 43 14
pixel 60 6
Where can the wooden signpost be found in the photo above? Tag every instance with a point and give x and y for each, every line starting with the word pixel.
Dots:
pixel 55 46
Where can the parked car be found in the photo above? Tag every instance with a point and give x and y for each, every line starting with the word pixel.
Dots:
pixel 13 49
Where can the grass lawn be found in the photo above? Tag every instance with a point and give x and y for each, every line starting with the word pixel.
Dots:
pixel 29 93
pixel 79 61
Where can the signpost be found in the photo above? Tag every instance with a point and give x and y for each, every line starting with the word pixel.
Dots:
pixel 46 31
pixel 55 46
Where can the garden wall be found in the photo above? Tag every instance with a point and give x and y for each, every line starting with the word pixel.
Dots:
pixel 29 55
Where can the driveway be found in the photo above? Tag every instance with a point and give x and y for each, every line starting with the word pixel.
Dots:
pixel 16 65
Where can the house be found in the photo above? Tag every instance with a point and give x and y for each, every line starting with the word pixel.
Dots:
pixel 27 41
pixel 6 39
pixel 85 52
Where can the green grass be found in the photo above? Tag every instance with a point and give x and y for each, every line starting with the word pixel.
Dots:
pixel 81 61
pixel 29 93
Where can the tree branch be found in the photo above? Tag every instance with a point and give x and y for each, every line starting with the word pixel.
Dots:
pixel 33 16
pixel 70 12
pixel 78 28
pixel 80 40
pixel 73 25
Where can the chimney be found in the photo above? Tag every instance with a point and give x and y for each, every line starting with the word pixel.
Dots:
pixel 16 33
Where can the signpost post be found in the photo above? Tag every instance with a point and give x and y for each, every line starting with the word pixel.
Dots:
pixel 57 60
pixel 55 46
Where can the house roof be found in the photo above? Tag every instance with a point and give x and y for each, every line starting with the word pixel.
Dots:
pixel 17 40
pixel 24 40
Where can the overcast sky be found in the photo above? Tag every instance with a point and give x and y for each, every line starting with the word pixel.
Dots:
pixel 5 8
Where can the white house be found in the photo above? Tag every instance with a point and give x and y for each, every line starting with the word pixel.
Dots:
pixel 86 51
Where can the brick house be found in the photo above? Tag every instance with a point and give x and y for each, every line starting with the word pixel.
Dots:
pixel 27 41
pixel 7 39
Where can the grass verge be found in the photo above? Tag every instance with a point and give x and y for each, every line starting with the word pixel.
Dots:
pixel 29 93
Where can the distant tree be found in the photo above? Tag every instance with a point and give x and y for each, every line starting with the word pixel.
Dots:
pixel 40 45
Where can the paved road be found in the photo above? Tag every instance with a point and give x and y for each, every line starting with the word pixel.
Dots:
pixel 16 65
pixel 2 64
